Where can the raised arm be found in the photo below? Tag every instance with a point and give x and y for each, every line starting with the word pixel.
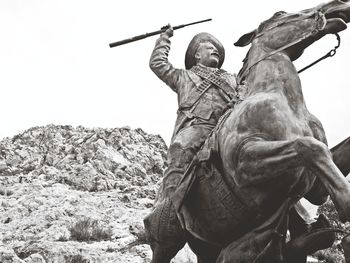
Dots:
pixel 159 63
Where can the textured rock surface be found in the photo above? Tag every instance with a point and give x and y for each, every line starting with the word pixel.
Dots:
pixel 53 177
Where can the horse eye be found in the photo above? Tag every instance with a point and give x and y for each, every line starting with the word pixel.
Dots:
pixel 279 13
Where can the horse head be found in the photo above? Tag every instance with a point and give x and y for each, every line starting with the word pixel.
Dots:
pixel 291 33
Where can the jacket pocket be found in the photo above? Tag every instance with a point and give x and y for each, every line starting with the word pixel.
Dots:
pixel 190 100
pixel 200 109
pixel 203 110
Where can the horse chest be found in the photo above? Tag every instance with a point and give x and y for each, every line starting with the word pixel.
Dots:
pixel 271 114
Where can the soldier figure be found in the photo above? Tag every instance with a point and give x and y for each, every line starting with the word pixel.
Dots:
pixel 204 93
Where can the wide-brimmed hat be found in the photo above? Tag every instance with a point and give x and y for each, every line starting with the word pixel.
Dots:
pixel 190 60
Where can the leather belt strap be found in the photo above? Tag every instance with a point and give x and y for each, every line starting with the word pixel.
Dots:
pixel 214 78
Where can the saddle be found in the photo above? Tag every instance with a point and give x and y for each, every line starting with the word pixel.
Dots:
pixel 203 193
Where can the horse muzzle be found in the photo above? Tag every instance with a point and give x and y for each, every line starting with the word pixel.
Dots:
pixel 337 9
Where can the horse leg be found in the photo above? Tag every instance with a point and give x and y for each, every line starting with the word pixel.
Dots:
pixel 263 244
pixel 346 247
pixel 307 238
pixel 297 225
pixel 206 253
pixel 320 236
pixel 318 194
pixel 341 156
pixel 259 161
pixel 164 232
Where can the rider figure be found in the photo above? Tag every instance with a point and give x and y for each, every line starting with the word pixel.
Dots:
pixel 201 102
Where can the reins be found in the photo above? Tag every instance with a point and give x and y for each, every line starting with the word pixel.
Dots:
pixel 331 53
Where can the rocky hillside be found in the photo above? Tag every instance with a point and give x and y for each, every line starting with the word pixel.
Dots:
pixel 78 195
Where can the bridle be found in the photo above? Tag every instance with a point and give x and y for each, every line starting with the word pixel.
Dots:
pixel 331 53
pixel 319 15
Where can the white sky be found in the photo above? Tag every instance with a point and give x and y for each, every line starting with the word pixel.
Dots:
pixel 56 65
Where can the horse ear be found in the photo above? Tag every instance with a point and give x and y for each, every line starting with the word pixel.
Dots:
pixel 246 39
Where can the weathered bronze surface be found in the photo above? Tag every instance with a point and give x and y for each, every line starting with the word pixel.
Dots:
pixel 265 154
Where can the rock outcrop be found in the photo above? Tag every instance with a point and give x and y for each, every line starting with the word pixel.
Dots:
pixel 78 195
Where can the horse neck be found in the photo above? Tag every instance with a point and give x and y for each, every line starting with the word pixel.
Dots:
pixel 273 74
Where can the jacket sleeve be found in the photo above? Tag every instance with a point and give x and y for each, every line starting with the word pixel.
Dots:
pixel 160 65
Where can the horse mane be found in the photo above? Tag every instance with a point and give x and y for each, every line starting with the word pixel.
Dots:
pixel 243 68
pixel 264 23
pixel 261 27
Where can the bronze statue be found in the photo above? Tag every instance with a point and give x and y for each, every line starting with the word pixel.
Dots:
pixel 205 92
pixel 202 99
pixel 264 155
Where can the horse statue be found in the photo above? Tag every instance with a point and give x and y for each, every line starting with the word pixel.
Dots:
pixel 266 154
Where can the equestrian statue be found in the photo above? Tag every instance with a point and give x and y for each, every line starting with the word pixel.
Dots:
pixel 250 146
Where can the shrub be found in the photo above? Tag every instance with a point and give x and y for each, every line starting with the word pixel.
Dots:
pixel 88 229
pixel 329 255
pixel 5 192
pixel 110 249
pixel 62 239
pixel 75 259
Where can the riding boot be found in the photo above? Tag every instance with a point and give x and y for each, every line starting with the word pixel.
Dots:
pixel 164 232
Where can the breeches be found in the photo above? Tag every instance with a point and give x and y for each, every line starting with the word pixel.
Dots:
pixel 181 152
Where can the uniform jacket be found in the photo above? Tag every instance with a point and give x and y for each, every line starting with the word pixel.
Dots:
pixel 208 109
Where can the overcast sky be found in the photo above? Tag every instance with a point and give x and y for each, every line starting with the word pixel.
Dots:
pixel 56 65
